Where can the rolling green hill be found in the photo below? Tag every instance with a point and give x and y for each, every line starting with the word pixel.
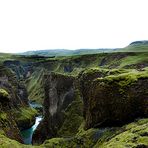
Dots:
pixel 137 46
pixel 66 52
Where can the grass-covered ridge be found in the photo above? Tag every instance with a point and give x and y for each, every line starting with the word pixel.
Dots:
pixel 126 77
pixel 135 48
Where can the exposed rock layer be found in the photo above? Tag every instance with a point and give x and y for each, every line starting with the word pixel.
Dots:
pixel 62 102
pixel 13 99
pixel 114 100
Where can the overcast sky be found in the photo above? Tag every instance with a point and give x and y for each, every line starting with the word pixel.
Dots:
pixel 71 24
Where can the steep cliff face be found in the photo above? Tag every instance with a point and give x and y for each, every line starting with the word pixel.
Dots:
pixel 62 108
pixel 22 69
pixel 8 101
pixel 8 125
pixel 13 99
pixel 35 85
pixel 111 98
pixel 114 100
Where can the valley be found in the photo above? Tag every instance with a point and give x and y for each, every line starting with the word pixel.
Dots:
pixel 85 100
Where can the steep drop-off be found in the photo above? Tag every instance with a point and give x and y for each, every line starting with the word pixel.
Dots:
pixel 14 107
pixel 115 99
pixel 83 104
pixel 62 108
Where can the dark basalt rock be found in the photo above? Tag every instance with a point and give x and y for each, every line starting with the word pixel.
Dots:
pixel 114 100
pixel 7 120
pixel 60 95
pixel 13 98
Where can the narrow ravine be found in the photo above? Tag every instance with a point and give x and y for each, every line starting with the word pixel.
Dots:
pixel 28 133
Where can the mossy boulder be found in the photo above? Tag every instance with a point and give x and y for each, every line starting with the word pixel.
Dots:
pixel 116 99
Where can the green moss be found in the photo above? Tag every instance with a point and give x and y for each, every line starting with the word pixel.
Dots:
pixel 35 86
pixel 55 142
pixel 26 113
pixel 3 116
pixel 73 118
pixel 134 59
pixel 2 132
pixel 9 143
pixel 90 71
pixel 125 79
pixel 131 135
pixel 25 117
pixel 3 93
pixel 118 71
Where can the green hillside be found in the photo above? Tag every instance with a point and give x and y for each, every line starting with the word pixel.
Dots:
pixel 137 46
pixel 87 98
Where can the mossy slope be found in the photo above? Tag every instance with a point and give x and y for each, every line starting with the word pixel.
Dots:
pixel 133 135
pixel 115 99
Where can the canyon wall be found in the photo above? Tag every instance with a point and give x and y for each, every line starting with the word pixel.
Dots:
pixel 62 108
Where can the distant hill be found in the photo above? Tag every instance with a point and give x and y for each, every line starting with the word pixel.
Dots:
pixel 145 42
pixel 137 46
pixel 65 52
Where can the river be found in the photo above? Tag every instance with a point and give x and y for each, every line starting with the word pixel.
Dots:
pixel 28 133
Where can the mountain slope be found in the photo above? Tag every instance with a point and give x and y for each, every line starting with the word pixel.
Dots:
pixel 137 46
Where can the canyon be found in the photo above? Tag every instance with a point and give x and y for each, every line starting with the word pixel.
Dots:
pixel 91 100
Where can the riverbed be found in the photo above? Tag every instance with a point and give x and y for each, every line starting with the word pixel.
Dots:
pixel 28 133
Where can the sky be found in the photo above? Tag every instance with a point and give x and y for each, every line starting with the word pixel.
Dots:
pixel 71 24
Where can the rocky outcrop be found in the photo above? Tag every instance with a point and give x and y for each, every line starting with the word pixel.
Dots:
pixel 25 117
pixel 8 125
pixel 13 101
pixel 114 100
pixel 62 108
pixel 21 69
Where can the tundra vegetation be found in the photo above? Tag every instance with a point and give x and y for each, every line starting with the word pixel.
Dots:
pixel 90 99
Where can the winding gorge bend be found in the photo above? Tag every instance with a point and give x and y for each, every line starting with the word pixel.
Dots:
pixel 103 105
